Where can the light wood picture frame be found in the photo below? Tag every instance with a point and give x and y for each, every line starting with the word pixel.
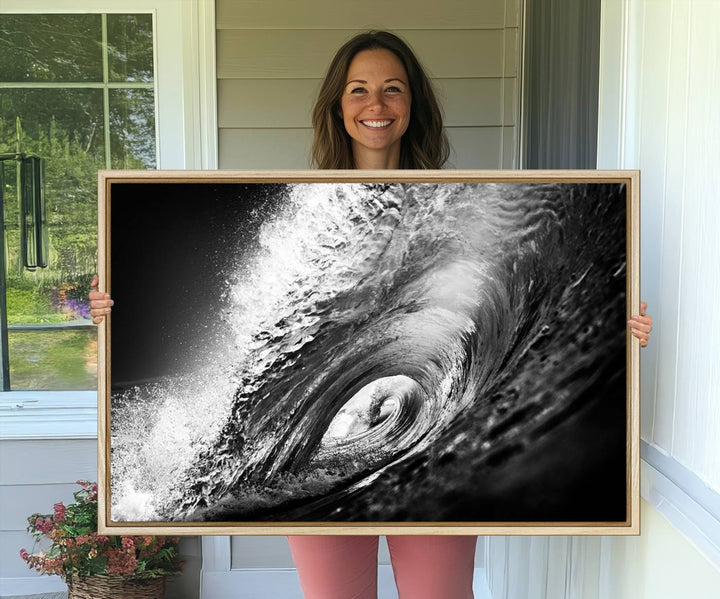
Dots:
pixel 369 352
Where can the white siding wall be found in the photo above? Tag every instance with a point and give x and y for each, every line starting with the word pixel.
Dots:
pixel 34 475
pixel 660 84
pixel 671 131
pixel 272 56
pixel 659 564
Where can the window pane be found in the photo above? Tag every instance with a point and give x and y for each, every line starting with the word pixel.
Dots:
pixel 132 128
pixel 65 127
pixel 130 47
pixel 50 48
pixel 52 119
pixel 53 359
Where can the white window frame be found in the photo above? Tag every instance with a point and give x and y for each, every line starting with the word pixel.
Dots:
pixel 186 130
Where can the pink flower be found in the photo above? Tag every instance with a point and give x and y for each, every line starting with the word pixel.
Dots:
pixel 59 512
pixel 53 565
pixel 128 543
pixel 44 526
pixel 24 554
pixel 121 562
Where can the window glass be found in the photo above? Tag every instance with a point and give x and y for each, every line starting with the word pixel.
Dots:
pixel 132 128
pixel 130 55
pixel 53 359
pixel 73 116
pixel 37 48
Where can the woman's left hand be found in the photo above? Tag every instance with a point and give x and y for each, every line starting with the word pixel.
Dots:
pixel 641 325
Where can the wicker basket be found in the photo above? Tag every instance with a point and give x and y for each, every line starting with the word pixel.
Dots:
pixel 116 587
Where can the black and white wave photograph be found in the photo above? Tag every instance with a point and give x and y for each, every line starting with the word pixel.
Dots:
pixel 362 352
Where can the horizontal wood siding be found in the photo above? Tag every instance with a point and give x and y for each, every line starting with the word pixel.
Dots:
pixel 271 58
pixel 471 147
pixel 264 148
pixel 47 462
pixel 331 14
pixel 19 501
pixel 35 475
pixel 287 103
pixel 307 53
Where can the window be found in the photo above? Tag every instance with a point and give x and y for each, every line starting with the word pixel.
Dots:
pixel 186 125
pixel 76 90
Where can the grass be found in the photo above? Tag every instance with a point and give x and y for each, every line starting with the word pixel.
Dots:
pixel 27 305
pixel 55 359
pixel 51 359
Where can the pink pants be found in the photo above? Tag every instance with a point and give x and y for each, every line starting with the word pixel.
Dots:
pixel 425 567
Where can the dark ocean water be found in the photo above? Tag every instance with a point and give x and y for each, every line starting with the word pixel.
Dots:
pixel 404 352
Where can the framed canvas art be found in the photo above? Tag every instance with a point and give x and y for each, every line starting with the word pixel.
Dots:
pixel 369 352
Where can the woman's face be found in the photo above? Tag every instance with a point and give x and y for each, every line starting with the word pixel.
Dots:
pixel 375 107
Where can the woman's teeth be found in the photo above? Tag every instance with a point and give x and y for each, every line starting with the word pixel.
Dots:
pixel 376 123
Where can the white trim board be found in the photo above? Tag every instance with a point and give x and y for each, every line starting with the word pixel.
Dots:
pixel 694 487
pixel 48 415
pixel 693 517
pixel 31 585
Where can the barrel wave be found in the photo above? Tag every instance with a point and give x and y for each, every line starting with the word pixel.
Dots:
pixel 399 352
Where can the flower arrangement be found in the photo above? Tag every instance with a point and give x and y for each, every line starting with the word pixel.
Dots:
pixel 77 550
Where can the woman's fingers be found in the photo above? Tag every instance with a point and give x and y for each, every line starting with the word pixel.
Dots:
pixel 640 334
pixel 641 325
pixel 100 302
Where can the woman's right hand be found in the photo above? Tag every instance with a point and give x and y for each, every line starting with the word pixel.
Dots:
pixel 100 303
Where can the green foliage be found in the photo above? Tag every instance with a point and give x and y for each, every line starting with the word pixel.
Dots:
pixel 50 47
pixel 70 194
pixel 71 197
